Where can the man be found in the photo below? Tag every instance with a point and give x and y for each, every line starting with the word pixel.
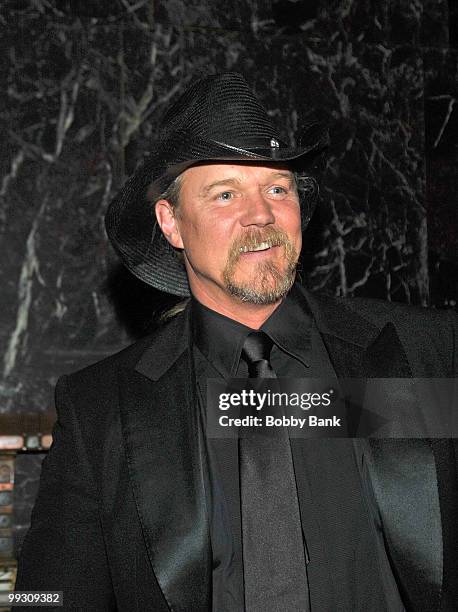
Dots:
pixel 140 509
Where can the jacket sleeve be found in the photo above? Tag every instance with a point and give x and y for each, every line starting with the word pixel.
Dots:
pixel 64 548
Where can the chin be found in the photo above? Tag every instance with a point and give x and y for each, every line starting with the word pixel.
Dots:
pixel 267 285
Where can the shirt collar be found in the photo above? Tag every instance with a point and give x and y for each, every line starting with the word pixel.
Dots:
pixel 289 325
pixel 220 339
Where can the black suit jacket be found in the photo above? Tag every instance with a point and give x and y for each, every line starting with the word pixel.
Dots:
pixel 120 521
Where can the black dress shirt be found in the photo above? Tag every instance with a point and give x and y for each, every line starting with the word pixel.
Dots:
pixel 298 352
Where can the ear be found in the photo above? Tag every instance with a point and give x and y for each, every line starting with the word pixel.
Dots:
pixel 165 216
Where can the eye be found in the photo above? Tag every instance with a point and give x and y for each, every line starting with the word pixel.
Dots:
pixel 278 190
pixel 225 196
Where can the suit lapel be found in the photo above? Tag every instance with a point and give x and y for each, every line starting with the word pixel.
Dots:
pixel 162 440
pixel 402 472
pixel 404 481
pixel 357 347
pixel 404 477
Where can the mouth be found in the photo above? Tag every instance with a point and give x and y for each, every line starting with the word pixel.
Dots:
pixel 261 246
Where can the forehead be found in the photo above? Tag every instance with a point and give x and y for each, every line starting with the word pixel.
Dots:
pixel 200 175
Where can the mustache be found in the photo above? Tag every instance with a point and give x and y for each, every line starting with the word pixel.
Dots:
pixel 253 237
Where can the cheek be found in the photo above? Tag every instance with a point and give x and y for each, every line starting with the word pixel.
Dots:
pixel 289 217
pixel 206 240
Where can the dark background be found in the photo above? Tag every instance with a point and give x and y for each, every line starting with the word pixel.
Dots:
pixel 84 84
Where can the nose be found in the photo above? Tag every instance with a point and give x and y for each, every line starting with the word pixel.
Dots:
pixel 257 210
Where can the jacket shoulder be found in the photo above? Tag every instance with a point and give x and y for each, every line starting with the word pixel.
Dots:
pixel 382 311
pixel 427 334
pixel 422 330
pixel 103 374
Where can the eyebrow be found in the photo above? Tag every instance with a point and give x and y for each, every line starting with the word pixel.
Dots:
pixel 234 181
pixel 227 181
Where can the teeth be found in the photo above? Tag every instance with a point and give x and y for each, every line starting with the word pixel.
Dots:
pixel 259 247
pixel 262 247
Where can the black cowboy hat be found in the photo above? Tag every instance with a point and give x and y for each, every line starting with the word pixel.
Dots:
pixel 218 118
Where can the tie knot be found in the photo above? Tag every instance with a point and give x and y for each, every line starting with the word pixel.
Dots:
pixel 256 352
pixel 257 346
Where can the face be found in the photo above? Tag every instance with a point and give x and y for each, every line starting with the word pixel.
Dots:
pixel 240 230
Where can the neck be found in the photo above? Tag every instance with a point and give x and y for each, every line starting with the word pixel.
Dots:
pixel 251 315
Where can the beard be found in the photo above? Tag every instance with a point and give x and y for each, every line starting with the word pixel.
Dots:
pixel 269 281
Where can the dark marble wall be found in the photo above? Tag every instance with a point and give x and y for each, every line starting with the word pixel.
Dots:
pixel 83 86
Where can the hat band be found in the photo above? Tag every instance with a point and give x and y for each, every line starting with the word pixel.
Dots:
pixel 252 144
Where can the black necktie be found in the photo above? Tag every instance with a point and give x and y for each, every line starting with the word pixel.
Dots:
pixel 275 576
